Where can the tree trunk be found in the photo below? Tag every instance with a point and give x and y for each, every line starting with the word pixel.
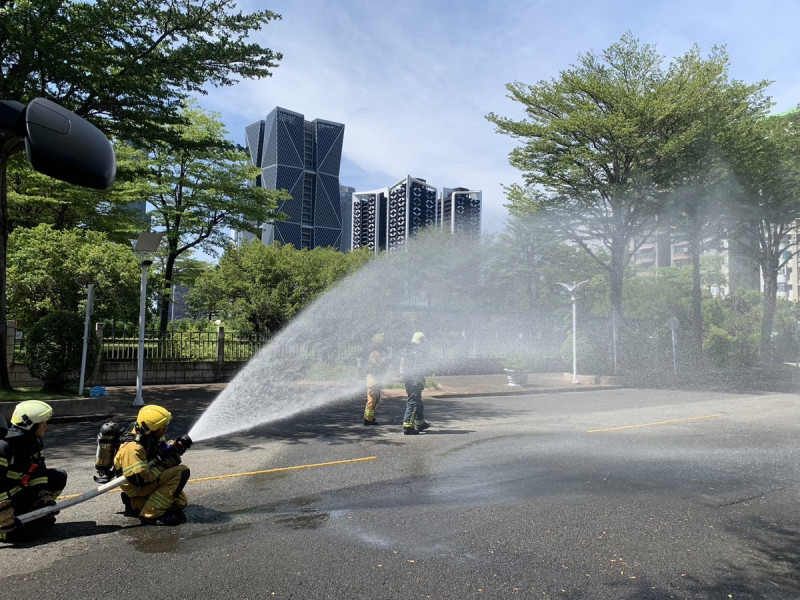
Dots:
pixel 696 330
pixel 770 304
pixel 7 148
pixel 166 294
pixel 617 275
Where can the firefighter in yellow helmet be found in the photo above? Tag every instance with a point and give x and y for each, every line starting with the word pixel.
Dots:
pixel 155 476
pixel 374 365
pixel 26 483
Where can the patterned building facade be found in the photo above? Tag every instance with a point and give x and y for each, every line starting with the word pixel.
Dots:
pixel 460 210
pixel 302 157
pixel 384 219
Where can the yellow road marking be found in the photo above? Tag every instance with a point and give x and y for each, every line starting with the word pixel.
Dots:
pixel 653 424
pixel 264 472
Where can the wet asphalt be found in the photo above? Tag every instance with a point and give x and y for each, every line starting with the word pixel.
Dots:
pixel 618 494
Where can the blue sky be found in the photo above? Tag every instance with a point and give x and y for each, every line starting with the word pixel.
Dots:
pixel 413 81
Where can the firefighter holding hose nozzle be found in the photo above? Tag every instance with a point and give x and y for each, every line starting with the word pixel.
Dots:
pixel 155 477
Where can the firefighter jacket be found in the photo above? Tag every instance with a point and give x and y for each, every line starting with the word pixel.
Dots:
pixel 21 463
pixel 414 365
pixel 133 461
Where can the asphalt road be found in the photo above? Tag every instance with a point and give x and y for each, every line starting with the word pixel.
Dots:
pixel 623 494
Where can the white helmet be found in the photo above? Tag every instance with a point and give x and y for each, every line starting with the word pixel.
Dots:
pixel 30 413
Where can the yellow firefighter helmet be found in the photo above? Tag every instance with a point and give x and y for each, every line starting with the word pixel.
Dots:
pixel 30 413
pixel 418 338
pixel 152 418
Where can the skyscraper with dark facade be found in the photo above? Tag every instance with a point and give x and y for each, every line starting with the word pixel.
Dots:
pixel 302 157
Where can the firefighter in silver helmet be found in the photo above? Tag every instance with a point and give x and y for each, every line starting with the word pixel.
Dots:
pixel 26 483
pixel 155 476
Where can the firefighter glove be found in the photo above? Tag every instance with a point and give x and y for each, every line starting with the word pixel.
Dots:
pixel 26 479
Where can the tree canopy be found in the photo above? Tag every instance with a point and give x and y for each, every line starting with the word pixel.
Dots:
pixel 51 270
pixel 126 65
pixel 606 144
pixel 199 185
pixel 258 288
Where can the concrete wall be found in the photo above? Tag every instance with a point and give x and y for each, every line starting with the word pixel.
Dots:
pixel 124 373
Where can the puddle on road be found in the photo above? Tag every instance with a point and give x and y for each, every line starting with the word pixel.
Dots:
pixel 157 539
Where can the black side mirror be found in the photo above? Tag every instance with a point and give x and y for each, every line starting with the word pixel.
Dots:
pixel 61 144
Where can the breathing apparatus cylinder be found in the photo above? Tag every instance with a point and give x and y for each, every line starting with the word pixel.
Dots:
pixel 107 446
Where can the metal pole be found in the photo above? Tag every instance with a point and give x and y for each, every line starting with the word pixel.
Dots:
pixel 89 301
pixel 614 337
pixel 139 401
pixel 674 354
pixel 574 340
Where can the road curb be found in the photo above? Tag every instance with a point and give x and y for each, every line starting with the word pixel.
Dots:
pixel 67 407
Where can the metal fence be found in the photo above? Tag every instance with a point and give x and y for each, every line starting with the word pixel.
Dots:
pixel 122 345
pixel 179 346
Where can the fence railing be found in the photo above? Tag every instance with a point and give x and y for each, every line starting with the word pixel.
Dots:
pixel 221 347
pixel 180 346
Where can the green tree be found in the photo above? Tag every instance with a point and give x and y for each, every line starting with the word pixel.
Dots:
pixel 54 350
pixel 765 158
pixel 706 105
pixel 127 65
pixel 590 143
pixel 199 185
pixel 605 141
pixel 258 288
pixel 51 270
pixel 34 198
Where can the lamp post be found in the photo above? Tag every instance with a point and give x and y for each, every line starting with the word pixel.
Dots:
pixel 574 292
pixel 144 247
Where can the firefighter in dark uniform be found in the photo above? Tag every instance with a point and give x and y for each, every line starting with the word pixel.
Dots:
pixel 155 476
pixel 414 367
pixel 26 483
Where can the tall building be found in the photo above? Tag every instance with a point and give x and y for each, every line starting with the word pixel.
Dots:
pixel 302 157
pixel 460 210
pixel 369 220
pixel 346 203
pixel 385 218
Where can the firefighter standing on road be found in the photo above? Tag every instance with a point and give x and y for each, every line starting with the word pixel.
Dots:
pixel 152 492
pixel 26 483
pixel 375 361
pixel 414 366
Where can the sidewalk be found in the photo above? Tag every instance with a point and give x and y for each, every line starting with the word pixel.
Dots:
pixel 120 398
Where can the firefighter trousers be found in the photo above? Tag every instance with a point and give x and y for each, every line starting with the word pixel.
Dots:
pixel 166 492
pixel 373 398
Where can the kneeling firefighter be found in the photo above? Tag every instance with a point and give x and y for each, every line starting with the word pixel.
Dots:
pixel 26 483
pixel 155 477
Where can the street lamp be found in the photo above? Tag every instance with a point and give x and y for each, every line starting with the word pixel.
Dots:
pixel 144 247
pixel 574 292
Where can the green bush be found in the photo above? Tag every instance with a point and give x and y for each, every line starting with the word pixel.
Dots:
pixel 53 349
